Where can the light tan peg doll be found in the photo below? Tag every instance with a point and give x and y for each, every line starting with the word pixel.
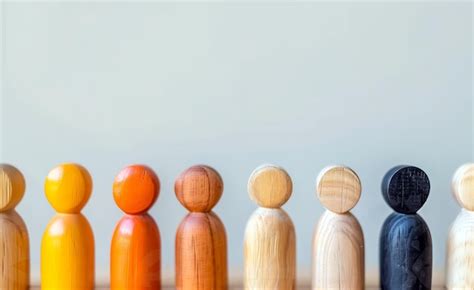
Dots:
pixel 338 242
pixel 270 241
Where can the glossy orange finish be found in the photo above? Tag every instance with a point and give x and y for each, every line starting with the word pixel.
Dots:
pixel 135 254
pixel 136 189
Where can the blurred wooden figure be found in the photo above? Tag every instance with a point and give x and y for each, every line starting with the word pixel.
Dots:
pixel 67 248
pixel 270 241
pixel 14 242
pixel 460 246
pixel 135 254
pixel 201 243
pixel 338 242
pixel 405 239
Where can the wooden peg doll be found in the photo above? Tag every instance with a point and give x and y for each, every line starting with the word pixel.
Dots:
pixel 460 246
pixel 405 239
pixel 135 254
pixel 338 242
pixel 270 240
pixel 67 247
pixel 14 241
pixel 201 243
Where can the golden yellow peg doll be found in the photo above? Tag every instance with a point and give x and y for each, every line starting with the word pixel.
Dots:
pixel 67 248
pixel 14 242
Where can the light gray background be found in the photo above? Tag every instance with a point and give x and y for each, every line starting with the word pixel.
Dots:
pixel 234 85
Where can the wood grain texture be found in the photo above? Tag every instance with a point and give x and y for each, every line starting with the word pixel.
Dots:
pixel 14 240
pixel 338 253
pixel 67 254
pixel 201 242
pixel 270 186
pixel 270 251
pixel 338 188
pixel 201 253
pixel 460 252
pixel 405 188
pixel 14 252
pixel 12 187
pixel 199 188
pixel 135 254
pixel 405 253
pixel 463 186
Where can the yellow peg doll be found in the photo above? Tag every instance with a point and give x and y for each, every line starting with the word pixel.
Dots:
pixel 67 248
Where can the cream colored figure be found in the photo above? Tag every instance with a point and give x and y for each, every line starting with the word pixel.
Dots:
pixel 460 246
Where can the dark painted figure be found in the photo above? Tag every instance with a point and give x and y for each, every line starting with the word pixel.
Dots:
pixel 405 239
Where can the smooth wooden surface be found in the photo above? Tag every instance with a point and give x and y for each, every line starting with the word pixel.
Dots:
pixel 338 253
pixel 405 188
pixel 460 252
pixel 201 242
pixel 338 188
pixel 136 189
pixel 463 186
pixel 135 254
pixel 270 251
pixel 460 244
pixel 405 253
pixel 67 254
pixel 14 240
pixel 270 186
pixel 68 188
pixel 201 253
pixel 67 247
pixel 14 252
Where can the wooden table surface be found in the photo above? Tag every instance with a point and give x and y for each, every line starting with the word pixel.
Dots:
pixel 234 288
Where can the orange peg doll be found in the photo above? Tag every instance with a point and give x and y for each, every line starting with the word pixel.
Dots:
pixel 135 254
pixel 14 242
pixel 67 248
pixel 201 245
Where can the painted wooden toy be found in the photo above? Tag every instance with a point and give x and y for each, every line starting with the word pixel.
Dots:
pixel 338 242
pixel 270 240
pixel 405 240
pixel 14 242
pixel 460 246
pixel 135 254
pixel 67 248
pixel 201 243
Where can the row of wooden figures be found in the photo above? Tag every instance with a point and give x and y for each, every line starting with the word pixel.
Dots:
pixel 67 249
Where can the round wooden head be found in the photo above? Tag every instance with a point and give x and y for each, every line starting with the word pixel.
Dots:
pixel 463 186
pixel 12 187
pixel 199 188
pixel 338 188
pixel 270 186
pixel 405 188
pixel 136 189
pixel 68 187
